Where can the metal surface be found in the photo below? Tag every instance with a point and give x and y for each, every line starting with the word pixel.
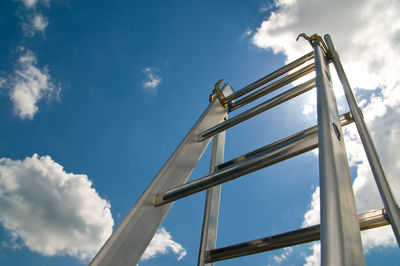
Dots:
pixel 270 77
pixel 340 230
pixel 276 152
pixel 272 87
pixel 211 209
pixel 368 220
pixel 383 185
pixel 281 98
pixel 128 242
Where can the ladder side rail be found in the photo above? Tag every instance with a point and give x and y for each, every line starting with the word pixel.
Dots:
pixel 274 153
pixel 367 220
pixel 272 87
pixel 340 229
pixel 383 185
pixel 275 101
pixel 211 209
pixel 270 77
pixel 129 240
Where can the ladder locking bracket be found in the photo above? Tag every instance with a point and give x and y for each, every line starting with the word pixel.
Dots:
pixel 315 38
pixel 219 93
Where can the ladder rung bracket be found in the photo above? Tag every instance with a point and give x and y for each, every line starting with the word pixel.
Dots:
pixel 367 220
pixel 281 98
pixel 270 77
pixel 289 147
pixel 273 86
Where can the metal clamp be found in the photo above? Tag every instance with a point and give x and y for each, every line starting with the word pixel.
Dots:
pixel 315 38
pixel 217 91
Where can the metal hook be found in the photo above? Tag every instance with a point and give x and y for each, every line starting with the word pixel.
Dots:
pixel 314 37
pixel 305 36
pixel 219 93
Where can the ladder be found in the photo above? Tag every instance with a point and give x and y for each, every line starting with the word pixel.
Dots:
pixel 339 231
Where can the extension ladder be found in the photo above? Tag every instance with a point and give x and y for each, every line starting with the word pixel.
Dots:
pixel 340 226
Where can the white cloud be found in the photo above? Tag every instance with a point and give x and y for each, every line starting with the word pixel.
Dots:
pixel 37 23
pixel 307 109
pixel 29 84
pixel 368 43
pixel 152 80
pixel 247 33
pixel 50 211
pixel 162 243
pixel 29 3
pixel 315 258
pixel 312 216
pixel 283 256
pixel 3 83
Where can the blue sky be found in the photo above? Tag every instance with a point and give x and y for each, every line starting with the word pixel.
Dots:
pixel 96 95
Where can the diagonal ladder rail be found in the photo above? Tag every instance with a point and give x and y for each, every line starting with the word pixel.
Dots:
pixel 211 209
pixel 340 230
pixel 128 242
pixel 379 174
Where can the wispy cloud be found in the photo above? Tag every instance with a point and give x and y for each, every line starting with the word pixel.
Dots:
pixel 152 80
pixel 247 33
pixel 29 3
pixel 36 23
pixel 29 84
pixel 368 43
pixel 162 243
pixel 314 258
pixel 307 109
pixel 283 256
pixel 50 211
pixel 32 20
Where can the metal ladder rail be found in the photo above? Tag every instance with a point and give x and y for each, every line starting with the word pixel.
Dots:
pixel 340 229
pixel 379 174
pixel 211 209
pixel 130 239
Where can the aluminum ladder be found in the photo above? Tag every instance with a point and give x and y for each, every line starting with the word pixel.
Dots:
pixel 340 226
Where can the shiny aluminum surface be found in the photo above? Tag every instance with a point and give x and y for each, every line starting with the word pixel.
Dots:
pixel 281 98
pixel 211 209
pixel 289 147
pixel 128 242
pixel 340 230
pixel 272 87
pixel 368 220
pixel 380 178
pixel 270 77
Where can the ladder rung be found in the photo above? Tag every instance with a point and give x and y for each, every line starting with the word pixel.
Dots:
pixel 291 146
pixel 345 119
pixel 281 98
pixel 270 77
pixel 272 87
pixel 367 220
